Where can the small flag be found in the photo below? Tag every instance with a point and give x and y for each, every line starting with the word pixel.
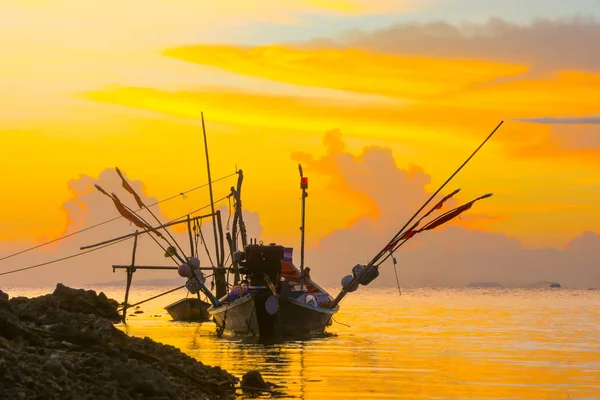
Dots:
pixel 439 205
pixel 132 217
pixel 128 214
pixel 408 234
pixel 442 219
pixel 102 190
pixel 405 236
pixel 128 187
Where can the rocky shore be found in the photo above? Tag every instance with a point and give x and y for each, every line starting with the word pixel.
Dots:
pixel 64 346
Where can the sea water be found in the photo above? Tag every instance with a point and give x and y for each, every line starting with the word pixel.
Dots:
pixel 423 344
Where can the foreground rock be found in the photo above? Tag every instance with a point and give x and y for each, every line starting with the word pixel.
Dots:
pixel 64 346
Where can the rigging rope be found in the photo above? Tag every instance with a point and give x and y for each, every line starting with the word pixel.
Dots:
pixel 97 248
pixel 112 219
pixel 60 259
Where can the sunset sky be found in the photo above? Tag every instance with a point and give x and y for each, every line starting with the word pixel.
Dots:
pixel 338 85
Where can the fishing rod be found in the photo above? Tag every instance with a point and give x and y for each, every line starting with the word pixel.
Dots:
pixel 142 205
pixel 112 219
pixel 447 216
pixel 138 221
pixel 102 244
pixel 168 253
pixel 410 233
pixel 368 267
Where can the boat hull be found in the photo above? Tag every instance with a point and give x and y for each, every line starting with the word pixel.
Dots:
pixel 247 316
pixel 189 309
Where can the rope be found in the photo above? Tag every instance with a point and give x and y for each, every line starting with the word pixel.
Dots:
pixel 396 272
pixel 153 297
pixel 112 219
pixel 341 323
pixel 204 243
pixel 59 259
pixel 229 219
pixel 250 320
pixel 96 248
pixel 221 328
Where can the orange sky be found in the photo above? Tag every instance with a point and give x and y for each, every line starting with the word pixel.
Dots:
pixel 88 87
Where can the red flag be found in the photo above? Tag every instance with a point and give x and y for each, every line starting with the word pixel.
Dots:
pixel 405 236
pixel 408 235
pixel 439 205
pixel 128 187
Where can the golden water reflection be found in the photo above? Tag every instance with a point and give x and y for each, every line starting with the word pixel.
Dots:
pixel 425 344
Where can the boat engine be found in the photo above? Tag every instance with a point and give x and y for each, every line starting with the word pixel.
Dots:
pixel 260 261
pixel 262 267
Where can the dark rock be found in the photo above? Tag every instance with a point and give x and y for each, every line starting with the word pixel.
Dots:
pixel 61 346
pixel 56 368
pixel 253 382
pixel 7 355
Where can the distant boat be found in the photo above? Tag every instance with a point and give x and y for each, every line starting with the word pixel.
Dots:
pixel 189 309
pixel 555 285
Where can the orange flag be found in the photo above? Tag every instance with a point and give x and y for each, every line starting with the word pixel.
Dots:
pixel 128 187
pixel 128 214
pixel 442 219
pixel 439 205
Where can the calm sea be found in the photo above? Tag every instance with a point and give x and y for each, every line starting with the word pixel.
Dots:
pixel 423 344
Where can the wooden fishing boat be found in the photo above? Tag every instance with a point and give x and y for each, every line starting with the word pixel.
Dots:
pixel 189 309
pixel 269 295
pixel 294 306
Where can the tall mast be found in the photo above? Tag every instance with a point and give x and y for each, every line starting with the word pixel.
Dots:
pixel 303 186
pixel 219 278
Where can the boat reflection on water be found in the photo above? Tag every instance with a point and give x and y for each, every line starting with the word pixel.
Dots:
pixel 282 362
pixel 427 343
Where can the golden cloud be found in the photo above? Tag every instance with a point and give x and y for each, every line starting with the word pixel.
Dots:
pixel 405 77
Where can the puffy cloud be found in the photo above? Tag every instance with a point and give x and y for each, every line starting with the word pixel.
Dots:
pixel 453 255
pixel 93 213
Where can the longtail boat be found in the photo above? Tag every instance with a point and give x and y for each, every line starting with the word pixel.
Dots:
pixel 269 296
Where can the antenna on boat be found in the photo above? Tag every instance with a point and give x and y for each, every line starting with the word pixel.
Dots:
pixel 219 278
pixel 303 186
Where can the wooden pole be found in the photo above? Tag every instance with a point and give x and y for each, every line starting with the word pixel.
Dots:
pixel 221 282
pixel 130 235
pixel 130 272
pixel 303 186
pixel 212 208
pixel 189 225
pixel 238 211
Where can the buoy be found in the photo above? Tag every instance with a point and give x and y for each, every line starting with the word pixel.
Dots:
pixel 184 270
pixel 194 262
pixel 272 305
pixel 346 283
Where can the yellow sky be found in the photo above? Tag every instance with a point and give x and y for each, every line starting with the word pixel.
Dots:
pixel 89 87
